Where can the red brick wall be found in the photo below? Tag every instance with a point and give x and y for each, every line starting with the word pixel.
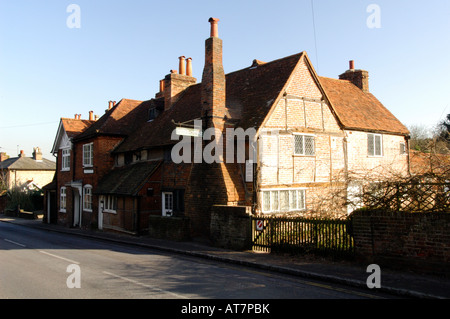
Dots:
pixel 103 162
pixel 416 241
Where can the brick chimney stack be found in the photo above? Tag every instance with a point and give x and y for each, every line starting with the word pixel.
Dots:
pixel 360 78
pixel 213 80
pixel 174 84
pixel 37 154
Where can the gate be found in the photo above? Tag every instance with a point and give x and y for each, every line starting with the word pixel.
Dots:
pixel 302 235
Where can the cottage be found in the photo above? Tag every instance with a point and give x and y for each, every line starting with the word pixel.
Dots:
pixel 311 134
pixel 26 173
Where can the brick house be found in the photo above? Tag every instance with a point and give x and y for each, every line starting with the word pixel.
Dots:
pixel 56 193
pixel 311 134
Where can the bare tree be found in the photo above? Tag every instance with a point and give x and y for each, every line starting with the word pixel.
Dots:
pixel 421 138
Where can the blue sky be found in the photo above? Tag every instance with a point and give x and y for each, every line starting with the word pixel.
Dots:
pixel 123 48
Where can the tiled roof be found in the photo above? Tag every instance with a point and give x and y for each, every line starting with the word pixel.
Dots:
pixel 425 163
pixel 358 110
pixel 74 127
pixel 27 163
pixel 250 93
pixel 126 180
pixel 118 121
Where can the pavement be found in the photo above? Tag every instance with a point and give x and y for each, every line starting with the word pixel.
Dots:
pixel 405 284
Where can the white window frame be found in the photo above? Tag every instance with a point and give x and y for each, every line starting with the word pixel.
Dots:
pixel 374 146
pixel 63 200
pixel 276 202
pixel 65 159
pixel 303 139
pixel 88 155
pixel 167 205
pixel 87 198
pixel 109 203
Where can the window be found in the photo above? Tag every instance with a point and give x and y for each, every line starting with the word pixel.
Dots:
pixel 374 145
pixel 167 203
pixel 178 200
pixel 283 200
pixel 87 198
pixel 304 145
pixel 152 114
pixel 128 158
pixel 109 203
pixel 63 200
pixel 88 155
pixel 65 163
pixel 402 148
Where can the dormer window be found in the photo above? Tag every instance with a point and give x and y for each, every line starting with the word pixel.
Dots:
pixel 152 114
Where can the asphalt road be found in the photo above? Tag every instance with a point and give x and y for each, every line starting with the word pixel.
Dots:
pixel 41 264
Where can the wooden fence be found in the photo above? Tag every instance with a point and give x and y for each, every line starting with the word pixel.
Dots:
pixel 302 235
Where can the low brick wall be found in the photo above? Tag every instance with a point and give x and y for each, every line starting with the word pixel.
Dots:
pixel 172 228
pixel 231 227
pixel 415 241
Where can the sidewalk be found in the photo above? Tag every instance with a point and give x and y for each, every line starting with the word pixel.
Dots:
pixel 403 284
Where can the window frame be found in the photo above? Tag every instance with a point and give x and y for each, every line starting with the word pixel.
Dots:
pixel 110 203
pixel 304 148
pixel 277 194
pixel 88 155
pixel 374 142
pixel 87 204
pixel 63 199
pixel 403 150
pixel 65 159
pixel 167 205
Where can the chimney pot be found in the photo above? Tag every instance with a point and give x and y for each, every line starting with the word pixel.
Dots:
pixel 91 115
pixel 214 27
pixel 182 65
pixel 161 85
pixel 189 66
pixel 352 64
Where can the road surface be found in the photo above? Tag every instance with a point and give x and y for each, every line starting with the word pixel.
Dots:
pixel 41 264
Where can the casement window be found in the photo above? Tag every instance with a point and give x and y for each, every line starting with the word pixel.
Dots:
pixel 109 203
pixel 173 202
pixel 65 162
pixel 374 145
pixel 62 200
pixel 88 155
pixel 402 148
pixel 87 198
pixel 304 145
pixel 283 200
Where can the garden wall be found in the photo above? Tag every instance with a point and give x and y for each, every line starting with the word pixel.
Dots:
pixel 415 241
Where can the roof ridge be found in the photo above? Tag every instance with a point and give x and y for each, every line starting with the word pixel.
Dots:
pixel 268 63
